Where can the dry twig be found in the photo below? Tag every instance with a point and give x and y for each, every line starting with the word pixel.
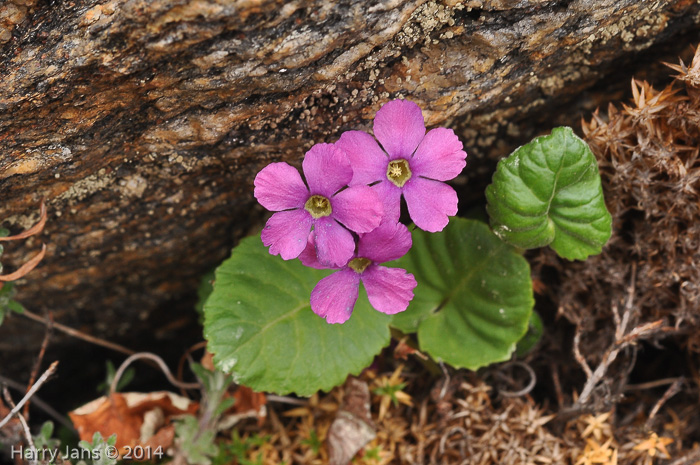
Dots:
pixel 23 422
pixel 39 403
pixel 161 364
pixel 691 458
pixel 577 354
pixel 557 386
pixel 39 359
pixel 530 384
pixel 35 387
pixel 286 400
pixel 670 392
pixel 651 384
pixel 622 340
pixel 78 334
pixel 187 357
pixel 450 432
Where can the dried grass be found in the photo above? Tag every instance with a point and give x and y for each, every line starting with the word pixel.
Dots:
pixel 464 422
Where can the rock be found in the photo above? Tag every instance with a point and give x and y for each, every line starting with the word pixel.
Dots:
pixel 143 122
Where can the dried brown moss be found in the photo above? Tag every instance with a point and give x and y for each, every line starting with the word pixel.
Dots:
pixel 648 155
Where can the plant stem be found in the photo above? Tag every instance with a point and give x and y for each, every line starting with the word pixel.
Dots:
pixel 78 334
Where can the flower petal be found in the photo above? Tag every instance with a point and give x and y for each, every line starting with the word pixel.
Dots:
pixel 390 196
pixel 278 187
pixel 359 208
pixel 308 257
pixel 389 241
pixel 334 296
pixel 327 169
pixel 286 233
pixel 439 156
pixel 367 158
pixel 335 245
pixel 389 289
pixel 399 127
pixel 430 203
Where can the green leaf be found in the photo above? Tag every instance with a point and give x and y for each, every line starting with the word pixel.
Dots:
pixel 198 444
pixel 15 306
pixel 474 295
pixel 531 337
pixel 7 289
pixel 548 192
pixel 216 384
pixel 44 439
pixel 127 377
pixel 99 448
pixel 206 286
pixel 261 329
pixel 8 305
pixel 46 430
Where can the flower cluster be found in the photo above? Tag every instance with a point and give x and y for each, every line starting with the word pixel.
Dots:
pixel 346 216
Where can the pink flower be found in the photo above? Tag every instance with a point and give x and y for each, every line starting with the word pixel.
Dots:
pixel 389 289
pixel 411 163
pixel 324 205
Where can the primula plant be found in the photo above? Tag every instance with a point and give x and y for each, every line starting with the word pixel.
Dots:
pixel 411 163
pixel 300 322
pixel 327 205
pixel 389 290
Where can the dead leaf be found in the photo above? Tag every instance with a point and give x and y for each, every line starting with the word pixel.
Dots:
pixel 136 418
pixel 248 404
pixel 163 438
pixel 36 229
pixel 352 428
pixel 403 350
pixel 538 286
pixel 12 429
pixel 34 261
pixel 208 360
pixel 26 267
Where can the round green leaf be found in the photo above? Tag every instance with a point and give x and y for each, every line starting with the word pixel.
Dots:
pixel 548 192
pixel 260 327
pixel 474 295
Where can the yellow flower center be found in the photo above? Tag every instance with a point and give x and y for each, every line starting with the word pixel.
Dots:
pixel 398 172
pixel 318 206
pixel 359 264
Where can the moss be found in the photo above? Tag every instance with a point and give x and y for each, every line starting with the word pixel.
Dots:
pixel 648 153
